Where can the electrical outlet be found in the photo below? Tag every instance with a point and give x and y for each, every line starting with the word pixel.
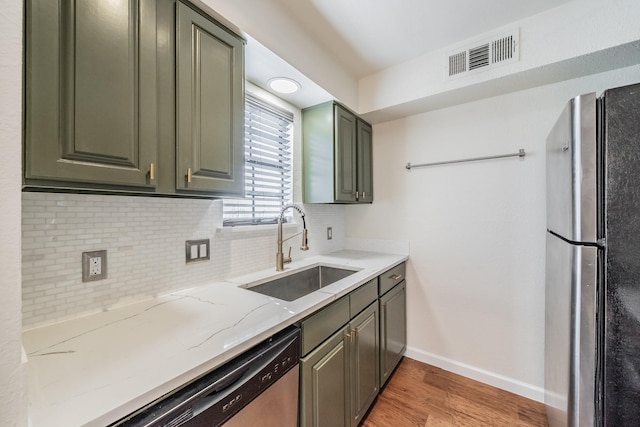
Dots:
pixel 329 233
pixel 94 265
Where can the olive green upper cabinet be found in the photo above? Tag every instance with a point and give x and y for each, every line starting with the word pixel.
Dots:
pixel 364 191
pixel 91 93
pixel 336 155
pixel 210 106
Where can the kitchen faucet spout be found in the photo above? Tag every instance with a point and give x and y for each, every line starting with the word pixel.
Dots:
pixel 281 260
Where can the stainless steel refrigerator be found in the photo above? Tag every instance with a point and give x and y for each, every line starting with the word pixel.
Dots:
pixel 592 299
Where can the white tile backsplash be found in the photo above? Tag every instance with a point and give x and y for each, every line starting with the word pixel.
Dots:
pixel 145 242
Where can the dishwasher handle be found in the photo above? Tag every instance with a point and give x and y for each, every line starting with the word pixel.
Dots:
pixel 227 381
pixel 228 388
pixel 248 380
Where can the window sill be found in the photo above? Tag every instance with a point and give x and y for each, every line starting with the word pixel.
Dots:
pixel 246 229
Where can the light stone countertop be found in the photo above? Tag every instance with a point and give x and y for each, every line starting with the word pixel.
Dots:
pixel 96 369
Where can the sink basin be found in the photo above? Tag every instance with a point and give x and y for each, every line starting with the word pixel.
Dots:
pixel 301 283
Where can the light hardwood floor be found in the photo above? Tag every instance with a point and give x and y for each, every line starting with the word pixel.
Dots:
pixel 423 395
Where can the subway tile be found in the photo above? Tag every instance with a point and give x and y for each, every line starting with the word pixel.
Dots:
pixel 144 238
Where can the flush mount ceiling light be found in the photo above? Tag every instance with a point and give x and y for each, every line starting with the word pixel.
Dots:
pixel 284 85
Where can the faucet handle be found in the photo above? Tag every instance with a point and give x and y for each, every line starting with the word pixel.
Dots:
pixel 287 259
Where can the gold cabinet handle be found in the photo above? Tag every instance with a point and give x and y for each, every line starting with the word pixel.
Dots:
pixel 357 195
pixel 395 277
pixel 189 175
pixel 152 172
pixel 364 195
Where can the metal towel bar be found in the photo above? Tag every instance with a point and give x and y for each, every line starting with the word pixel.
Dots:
pixel 520 154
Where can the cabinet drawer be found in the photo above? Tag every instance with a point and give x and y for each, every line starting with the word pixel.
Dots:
pixel 391 278
pixel 363 296
pixel 320 326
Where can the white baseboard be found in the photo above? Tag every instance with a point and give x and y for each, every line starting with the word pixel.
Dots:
pixel 496 380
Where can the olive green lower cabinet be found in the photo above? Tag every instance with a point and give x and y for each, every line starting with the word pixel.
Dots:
pixel 393 330
pixel 324 381
pixel 339 377
pixel 393 320
pixel 364 362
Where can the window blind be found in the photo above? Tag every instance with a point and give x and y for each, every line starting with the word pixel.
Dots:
pixel 267 162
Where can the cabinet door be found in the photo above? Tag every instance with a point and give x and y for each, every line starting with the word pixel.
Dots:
pixel 393 330
pixel 91 92
pixel 210 106
pixel 324 383
pixel 345 155
pixel 365 162
pixel 364 362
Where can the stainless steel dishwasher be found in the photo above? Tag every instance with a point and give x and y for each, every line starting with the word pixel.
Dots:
pixel 259 387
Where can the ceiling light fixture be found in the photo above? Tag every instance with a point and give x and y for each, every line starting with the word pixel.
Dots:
pixel 284 85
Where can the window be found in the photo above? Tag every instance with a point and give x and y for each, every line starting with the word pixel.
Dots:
pixel 267 162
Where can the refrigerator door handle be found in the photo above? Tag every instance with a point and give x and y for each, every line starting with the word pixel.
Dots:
pixel 570 333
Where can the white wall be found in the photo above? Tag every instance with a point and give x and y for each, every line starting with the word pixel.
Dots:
pixel 476 230
pixel 12 380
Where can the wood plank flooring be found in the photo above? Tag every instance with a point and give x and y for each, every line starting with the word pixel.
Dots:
pixel 422 395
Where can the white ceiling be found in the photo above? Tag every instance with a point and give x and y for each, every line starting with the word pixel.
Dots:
pixel 370 35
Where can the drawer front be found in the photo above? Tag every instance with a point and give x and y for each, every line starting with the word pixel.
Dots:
pixel 363 296
pixel 320 326
pixel 391 278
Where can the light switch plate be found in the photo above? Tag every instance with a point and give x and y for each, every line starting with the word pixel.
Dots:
pixel 197 250
pixel 94 265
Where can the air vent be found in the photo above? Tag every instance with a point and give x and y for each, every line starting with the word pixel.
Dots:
pixel 458 63
pixel 484 54
pixel 479 57
pixel 503 49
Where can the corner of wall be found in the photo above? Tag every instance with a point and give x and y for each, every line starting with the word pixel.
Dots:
pixel 13 401
pixel 512 385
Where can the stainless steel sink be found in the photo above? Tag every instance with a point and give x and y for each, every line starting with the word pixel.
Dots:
pixel 301 283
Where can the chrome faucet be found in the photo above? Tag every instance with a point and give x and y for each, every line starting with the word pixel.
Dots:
pixel 281 260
